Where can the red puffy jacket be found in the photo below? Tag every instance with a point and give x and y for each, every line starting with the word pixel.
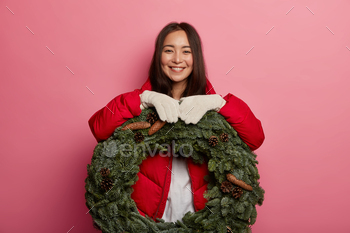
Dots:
pixel 151 189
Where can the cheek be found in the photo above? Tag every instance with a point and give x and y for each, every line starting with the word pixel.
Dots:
pixel 164 60
pixel 189 61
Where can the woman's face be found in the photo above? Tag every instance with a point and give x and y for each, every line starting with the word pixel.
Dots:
pixel 176 52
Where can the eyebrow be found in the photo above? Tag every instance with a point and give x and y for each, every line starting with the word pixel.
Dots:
pixel 186 46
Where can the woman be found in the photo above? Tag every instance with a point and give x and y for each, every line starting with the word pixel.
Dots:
pixel 168 187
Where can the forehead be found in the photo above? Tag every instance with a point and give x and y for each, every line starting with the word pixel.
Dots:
pixel 177 39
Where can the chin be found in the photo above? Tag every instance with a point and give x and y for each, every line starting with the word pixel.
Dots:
pixel 174 79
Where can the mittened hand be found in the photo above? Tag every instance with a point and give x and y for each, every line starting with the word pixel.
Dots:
pixel 166 107
pixel 193 108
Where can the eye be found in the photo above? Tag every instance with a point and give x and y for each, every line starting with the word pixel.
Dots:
pixel 188 51
pixel 168 50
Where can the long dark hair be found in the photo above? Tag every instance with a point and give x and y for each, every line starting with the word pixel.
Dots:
pixel 196 81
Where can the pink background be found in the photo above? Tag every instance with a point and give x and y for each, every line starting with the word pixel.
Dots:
pixel 291 66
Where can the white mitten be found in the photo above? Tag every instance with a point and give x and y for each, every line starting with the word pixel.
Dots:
pixel 192 108
pixel 166 107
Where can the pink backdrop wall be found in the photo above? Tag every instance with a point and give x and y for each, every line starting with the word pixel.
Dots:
pixel 63 61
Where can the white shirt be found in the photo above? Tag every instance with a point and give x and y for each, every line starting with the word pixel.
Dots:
pixel 180 197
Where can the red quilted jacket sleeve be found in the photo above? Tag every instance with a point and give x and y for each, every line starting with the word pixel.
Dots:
pixel 241 118
pixel 116 112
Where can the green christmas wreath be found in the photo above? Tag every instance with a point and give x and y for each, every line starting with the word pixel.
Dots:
pixel 232 192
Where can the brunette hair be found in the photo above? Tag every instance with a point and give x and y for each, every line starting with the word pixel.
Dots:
pixel 196 81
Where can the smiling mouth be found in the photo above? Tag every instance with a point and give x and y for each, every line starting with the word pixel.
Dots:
pixel 177 69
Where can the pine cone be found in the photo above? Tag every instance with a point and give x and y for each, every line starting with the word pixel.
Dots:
pixel 237 192
pixel 226 186
pixel 224 137
pixel 213 140
pixel 139 137
pixel 152 117
pixel 104 172
pixel 106 184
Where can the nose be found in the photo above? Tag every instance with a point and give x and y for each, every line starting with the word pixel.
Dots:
pixel 177 57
